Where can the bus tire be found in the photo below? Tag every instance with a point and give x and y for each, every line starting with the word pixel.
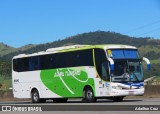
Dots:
pixel 89 95
pixel 35 96
pixel 118 99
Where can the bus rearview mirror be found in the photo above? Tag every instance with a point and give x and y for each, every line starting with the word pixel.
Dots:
pixel 148 63
pixel 111 64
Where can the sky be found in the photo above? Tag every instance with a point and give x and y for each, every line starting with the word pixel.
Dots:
pixel 25 22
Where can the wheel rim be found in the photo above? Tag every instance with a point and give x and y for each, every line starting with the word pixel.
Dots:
pixel 35 96
pixel 89 94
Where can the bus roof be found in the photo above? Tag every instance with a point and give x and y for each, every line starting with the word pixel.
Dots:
pixel 75 47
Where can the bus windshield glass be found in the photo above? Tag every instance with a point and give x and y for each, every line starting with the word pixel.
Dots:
pixel 127 66
pixel 123 54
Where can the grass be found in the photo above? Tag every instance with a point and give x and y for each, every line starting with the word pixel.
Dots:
pixel 157 78
pixel 157 61
pixel 6 84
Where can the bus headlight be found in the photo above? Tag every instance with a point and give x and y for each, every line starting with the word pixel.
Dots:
pixel 141 87
pixel 116 87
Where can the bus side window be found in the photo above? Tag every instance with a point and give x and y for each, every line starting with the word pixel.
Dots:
pixel 34 63
pixel 73 59
pixel 15 65
pixel 101 64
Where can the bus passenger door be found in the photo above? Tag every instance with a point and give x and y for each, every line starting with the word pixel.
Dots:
pixel 102 68
pixel 105 78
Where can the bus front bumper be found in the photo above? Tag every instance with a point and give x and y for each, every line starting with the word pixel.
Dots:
pixel 129 92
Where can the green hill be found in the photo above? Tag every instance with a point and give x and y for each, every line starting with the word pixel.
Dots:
pixel 148 47
pixel 5 49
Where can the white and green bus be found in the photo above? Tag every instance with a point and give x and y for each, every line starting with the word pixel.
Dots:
pixel 90 72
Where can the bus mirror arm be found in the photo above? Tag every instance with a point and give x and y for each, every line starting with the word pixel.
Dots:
pixel 111 64
pixel 148 63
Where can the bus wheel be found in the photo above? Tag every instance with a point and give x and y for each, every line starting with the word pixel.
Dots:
pixel 89 95
pixel 60 100
pixel 118 99
pixel 35 96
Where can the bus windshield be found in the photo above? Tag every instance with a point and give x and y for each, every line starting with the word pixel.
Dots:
pixel 127 70
pixel 127 65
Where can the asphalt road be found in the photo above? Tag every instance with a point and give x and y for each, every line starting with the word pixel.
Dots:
pixel 142 101
pixel 94 108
